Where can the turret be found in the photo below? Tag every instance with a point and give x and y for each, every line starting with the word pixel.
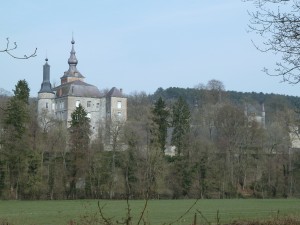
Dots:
pixel 263 115
pixel 116 105
pixel 46 85
pixel 46 94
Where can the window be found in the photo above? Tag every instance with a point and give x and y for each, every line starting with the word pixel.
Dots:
pixel 88 104
pixel 62 105
pixel 119 105
pixel 98 105
pixel 46 105
pixel 77 103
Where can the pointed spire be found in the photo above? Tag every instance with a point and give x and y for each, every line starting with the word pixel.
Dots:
pixel 46 85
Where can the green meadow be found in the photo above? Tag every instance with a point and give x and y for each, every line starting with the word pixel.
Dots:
pixel 157 211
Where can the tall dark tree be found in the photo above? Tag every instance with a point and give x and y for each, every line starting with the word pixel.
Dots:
pixel 277 22
pixel 17 108
pixel 79 147
pixel 15 142
pixel 160 118
pixel 22 91
pixel 181 117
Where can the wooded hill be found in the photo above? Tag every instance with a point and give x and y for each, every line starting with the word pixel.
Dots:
pixel 198 98
pixel 214 149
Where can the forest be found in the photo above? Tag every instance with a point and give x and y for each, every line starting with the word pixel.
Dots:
pixel 203 142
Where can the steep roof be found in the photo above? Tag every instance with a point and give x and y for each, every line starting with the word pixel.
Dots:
pixel 114 92
pixel 46 85
pixel 77 88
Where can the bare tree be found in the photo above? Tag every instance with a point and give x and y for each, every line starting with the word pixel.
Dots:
pixel 115 128
pixel 9 49
pixel 215 85
pixel 278 22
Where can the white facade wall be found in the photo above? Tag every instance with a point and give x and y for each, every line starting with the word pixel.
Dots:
pixel 45 102
pixel 99 110
pixel 118 108
pixel 63 107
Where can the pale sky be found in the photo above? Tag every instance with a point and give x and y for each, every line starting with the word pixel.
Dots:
pixel 137 45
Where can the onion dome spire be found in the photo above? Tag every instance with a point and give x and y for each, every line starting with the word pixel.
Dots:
pixel 72 61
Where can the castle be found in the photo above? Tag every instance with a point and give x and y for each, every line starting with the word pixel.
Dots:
pixel 59 102
pixel 254 116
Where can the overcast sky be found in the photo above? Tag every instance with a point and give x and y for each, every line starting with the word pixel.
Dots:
pixel 137 45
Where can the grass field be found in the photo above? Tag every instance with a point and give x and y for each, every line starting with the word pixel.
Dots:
pixel 157 212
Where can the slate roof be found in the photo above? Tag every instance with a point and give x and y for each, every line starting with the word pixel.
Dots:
pixel 77 88
pixel 114 92
pixel 72 61
pixel 46 85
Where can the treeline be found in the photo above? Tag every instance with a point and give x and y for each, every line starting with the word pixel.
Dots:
pixel 201 142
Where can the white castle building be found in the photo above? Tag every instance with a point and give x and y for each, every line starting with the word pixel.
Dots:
pixel 59 102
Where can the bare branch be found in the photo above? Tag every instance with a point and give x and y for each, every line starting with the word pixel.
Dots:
pixel 9 49
pixel 278 23
pixel 186 212
pixel 144 209
pixel 107 221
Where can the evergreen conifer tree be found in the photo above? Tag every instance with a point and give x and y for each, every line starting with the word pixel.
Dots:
pixel 181 124
pixel 160 118
pixel 79 140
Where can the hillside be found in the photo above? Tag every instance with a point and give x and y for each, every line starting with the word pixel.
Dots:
pixel 201 97
pixel 4 92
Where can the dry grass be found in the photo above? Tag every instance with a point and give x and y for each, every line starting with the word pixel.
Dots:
pixel 285 221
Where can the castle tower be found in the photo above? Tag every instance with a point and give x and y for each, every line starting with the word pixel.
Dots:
pixel 46 94
pixel 263 115
pixel 72 73
pixel 116 105
pixel 246 110
pixel 116 114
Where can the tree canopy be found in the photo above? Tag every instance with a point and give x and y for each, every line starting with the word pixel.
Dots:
pixel 17 108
